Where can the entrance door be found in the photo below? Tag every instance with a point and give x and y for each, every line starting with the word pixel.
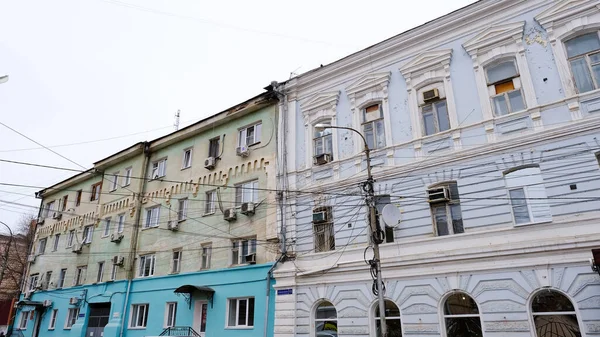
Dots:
pixel 200 311
pixel 97 320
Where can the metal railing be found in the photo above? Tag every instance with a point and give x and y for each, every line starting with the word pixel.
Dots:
pixel 180 331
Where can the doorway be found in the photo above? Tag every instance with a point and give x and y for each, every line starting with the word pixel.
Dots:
pixel 200 313
pixel 98 318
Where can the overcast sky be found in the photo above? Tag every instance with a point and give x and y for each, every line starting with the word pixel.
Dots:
pixel 84 71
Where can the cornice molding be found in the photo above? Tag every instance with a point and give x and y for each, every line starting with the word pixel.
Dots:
pixel 564 9
pixel 321 101
pixel 372 81
pixel 492 36
pixel 429 60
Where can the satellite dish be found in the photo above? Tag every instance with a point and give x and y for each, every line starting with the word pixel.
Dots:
pixel 391 215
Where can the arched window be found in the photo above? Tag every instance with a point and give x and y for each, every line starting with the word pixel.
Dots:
pixel 326 320
pixel 461 316
pixel 527 195
pixel 554 315
pixel 504 87
pixel 392 319
pixel 434 109
pixel 583 53
pixel 373 126
pixel 322 144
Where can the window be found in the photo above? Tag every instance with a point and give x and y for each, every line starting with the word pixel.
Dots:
pixel 433 109
pixel 53 317
pixel 95 195
pixel 88 231
pixel 554 315
pixel 47 280
pixel 461 316
pixel 171 314
pixel 72 317
pixel 206 255
pixel 323 141
pixel 176 265
pixel 61 278
pixel 241 249
pixel 139 316
pixel 56 241
pixel 246 192
pixel 106 227
pixel 64 203
pixel 146 265
pixel 373 127
pixel 583 53
pixel 23 320
pixel 80 275
pixel 504 87
pixel 187 159
pixel 152 215
pixel 70 238
pixel 49 209
pixel 326 319
pixel 209 208
pixel 114 181
pixel 241 312
pixel 33 282
pixel 127 178
pixel 121 223
pixel 392 320
pixel 249 135
pixel 380 202
pixel 78 197
pixel 42 246
pixel 213 147
pixel 182 211
pixel 444 202
pixel 527 196
pixel 323 229
pixel 113 272
pixel 100 274
pixel 159 169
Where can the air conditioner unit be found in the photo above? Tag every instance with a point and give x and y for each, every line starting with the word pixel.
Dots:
pixel 118 260
pixel 173 225
pixel 116 237
pixel 251 258
pixel 247 208
pixel 31 258
pixel 47 303
pixel 77 248
pixel 242 151
pixel 438 194
pixel 40 221
pixel 320 217
pixel 56 215
pixel 209 163
pixel 74 300
pixel 322 158
pixel 229 214
pixel 431 95
pixel 27 295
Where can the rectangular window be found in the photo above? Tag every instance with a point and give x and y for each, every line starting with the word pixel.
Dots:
pixel 152 215
pixel 176 264
pixel 139 316
pixel 206 256
pixel 527 195
pixel 249 135
pixel 78 197
pixel 323 229
pixel 65 199
pixel 171 314
pixel 80 275
pixel 246 192
pixel 444 202
pixel 504 86
pixel 100 274
pixel 323 142
pixel 241 312
pixel 113 272
pixel 95 195
pixel 88 231
pixel 61 278
pixel 72 317
pixel 127 178
pixel 53 317
pixel 182 210
pixel 106 227
pixel 373 126
pixel 121 223
pixel 114 181
pixel 42 246
pixel 187 158
pixel 211 197
pixel 213 147
pixel 146 265
pixel 241 249
pixel 518 202
pixel 56 241
pixel 70 238
pixel 49 209
pixel 23 320
pixel 33 282
pixel 435 117
pixel 159 169
pixel 47 280
pixel 584 58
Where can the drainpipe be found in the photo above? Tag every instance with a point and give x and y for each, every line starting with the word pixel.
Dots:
pixel 135 231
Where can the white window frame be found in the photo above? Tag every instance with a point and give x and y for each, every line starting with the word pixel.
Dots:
pixel 246 192
pixel 554 313
pixel 72 316
pixel 49 208
pixel 320 108
pixel 159 169
pixel 88 233
pixel 176 261
pixel 56 242
pixel 147 259
pixel 170 315
pixel 80 276
pixel 106 231
pixel 23 320
pixel 315 320
pixel 448 208
pixel 70 238
pixel 120 223
pixel 377 318
pixel 100 274
pixel 206 256
pixel 135 315
pixel 152 217
pixel 47 280
pixel 529 182
pixel 187 163
pixel 182 209
pixel 327 229
pixel 237 312
pixel 588 62
pixel 127 177
pixel 517 86
pixel 33 281
pixel 42 246
pixel 445 316
pixel 237 250
pixel 373 124
pixel 62 276
pixel 434 108
pixel 114 182
pixel 95 192
pixel 113 272
pixel 210 202
pixel 53 317
pixel 243 139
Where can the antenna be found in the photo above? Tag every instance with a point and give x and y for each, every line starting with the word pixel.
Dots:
pixel 176 124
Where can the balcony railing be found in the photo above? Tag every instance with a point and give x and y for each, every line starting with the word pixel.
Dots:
pixel 180 331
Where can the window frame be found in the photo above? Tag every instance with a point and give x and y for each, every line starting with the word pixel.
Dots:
pixel 56 242
pixel 505 94
pixel 252 185
pixel 70 238
pixel 127 176
pixel 23 320
pixel 161 171
pixel 62 276
pixel 326 140
pixel 78 195
pixel 210 202
pixel 586 56
pixel 34 279
pixel 446 316
pixel 88 234
pixel 533 314
pixel 71 319
pixel 330 224
pixel 434 111
pixel 376 318
pixel 64 201
pixel 96 191
pixel 53 318
pixel 206 257
pixel 373 124
pixel 237 250
pixel 449 209
pixel 143 260
pixel 100 274
pixel 106 231
pixel 170 315
pixel 114 183
pixel 187 164
pixel 42 246
pixel 243 134
pixel 113 272
pixel 533 181
pixel 49 208
pixel 148 223
pixel 214 148
pixel 237 312
pixel 182 211
pixel 80 276
pixel 315 320
pixel 176 262
pixel 121 223
pixel 135 311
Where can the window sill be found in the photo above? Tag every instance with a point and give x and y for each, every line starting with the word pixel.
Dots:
pixel 137 328
pixel 152 227
pixel 182 220
pixel 51 329
pixel 239 327
pixel 104 236
pixel 532 223
pixel 253 144
pixel 185 168
pixel 126 185
pixel 114 189
pixel 208 214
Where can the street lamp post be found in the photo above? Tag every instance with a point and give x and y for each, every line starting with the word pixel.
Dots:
pixel 5 257
pixel 370 200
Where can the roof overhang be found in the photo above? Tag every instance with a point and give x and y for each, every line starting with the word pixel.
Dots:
pixel 35 304
pixel 189 289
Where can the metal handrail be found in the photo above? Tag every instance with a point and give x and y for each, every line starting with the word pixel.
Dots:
pixel 180 331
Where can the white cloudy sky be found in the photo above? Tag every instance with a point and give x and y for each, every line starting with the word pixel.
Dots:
pixel 84 71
